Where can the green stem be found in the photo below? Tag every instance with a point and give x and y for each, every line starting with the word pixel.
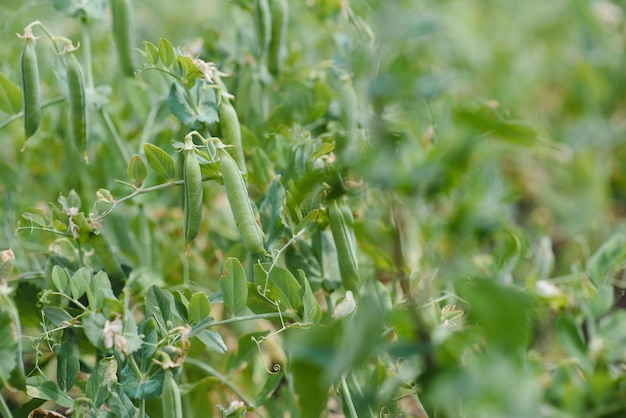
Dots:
pixel 119 142
pixel 208 322
pixel 210 370
pixel 142 408
pixel 348 397
pixel 87 53
pixel 148 190
pixel 20 114
pixel 4 409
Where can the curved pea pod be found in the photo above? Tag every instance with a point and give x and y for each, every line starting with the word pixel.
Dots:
pixel 263 24
pixel 342 227
pixel 124 34
pixel 192 204
pixel 277 48
pixel 78 104
pixel 240 204
pixel 31 89
pixel 231 132
pixel 170 398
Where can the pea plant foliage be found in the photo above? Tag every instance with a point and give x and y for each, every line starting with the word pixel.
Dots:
pixel 264 208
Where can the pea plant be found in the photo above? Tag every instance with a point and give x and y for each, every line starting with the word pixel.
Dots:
pixel 263 208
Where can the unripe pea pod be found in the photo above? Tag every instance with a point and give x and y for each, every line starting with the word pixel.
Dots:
pixel 192 204
pixel 348 102
pixel 231 132
pixel 263 22
pixel 342 227
pixel 78 104
pixel 124 34
pixel 280 19
pixel 170 398
pixel 240 204
pixel 31 89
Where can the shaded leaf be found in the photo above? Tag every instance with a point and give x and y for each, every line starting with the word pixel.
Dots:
pixel 10 96
pixel 233 284
pixel 136 171
pixel 68 366
pixel 160 161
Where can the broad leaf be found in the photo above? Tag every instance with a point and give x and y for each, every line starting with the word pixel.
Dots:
pixel 234 287
pixel 199 307
pixel 213 341
pixel 194 108
pixel 68 366
pixel 10 96
pixel 160 161
pixel 136 171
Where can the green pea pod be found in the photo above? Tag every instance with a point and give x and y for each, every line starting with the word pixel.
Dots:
pixel 231 132
pixel 31 89
pixel 263 23
pixel 192 204
pixel 240 204
pixel 124 34
pixel 348 102
pixel 170 398
pixel 277 48
pixel 342 227
pixel 109 263
pixel 78 104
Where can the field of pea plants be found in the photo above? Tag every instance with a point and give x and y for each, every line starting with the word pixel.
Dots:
pixel 315 208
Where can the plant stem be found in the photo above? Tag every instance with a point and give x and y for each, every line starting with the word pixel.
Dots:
pixel 20 114
pixel 119 142
pixel 348 397
pixel 4 409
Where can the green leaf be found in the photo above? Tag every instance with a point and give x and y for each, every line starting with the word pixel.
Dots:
pixel 152 53
pixel 160 161
pixel 212 340
pixel 159 305
pixel 233 285
pixel 569 335
pixel 10 96
pixel 194 108
pixel 199 307
pixel 120 404
pixel 312 310
pixel 136 171
pixel 79 282
pixel 610 256
pixel 271 384
pixel 166 52
pixel 282 286
pixel 50 391
pixel 97 386
pixel 246 349
pixel 8 346
pixel 99 289
pixel 68 366
pixel 93 325
pixel 141 386
pixel 60 278
pixel 191 72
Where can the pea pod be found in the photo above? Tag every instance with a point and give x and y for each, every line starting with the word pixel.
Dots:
pixel 170 398
pixel 78 104
pixel 124 34
pixel 263 23
pixel 342 228
pixel 280 19
pixel 240 204
pixel 31 90
pixel 231 132
pixel 192 204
